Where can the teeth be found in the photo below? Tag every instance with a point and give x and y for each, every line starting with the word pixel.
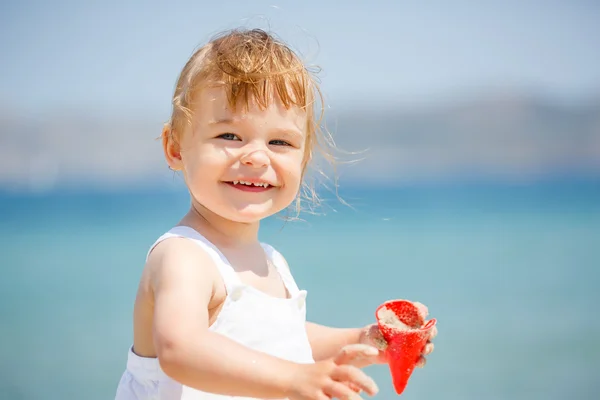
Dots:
pixel 250 183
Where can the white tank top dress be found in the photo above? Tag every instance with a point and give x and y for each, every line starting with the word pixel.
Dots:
pixel 275 326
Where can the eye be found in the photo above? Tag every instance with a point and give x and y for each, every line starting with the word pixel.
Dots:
pixel 279 143
pixel 228 136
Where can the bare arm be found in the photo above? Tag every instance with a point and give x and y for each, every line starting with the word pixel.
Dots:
pixel 327 342
pixel 183 277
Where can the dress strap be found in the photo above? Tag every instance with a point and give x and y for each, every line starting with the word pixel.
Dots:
pixel 225 269
pixel 280 264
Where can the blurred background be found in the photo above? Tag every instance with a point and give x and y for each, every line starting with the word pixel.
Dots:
pixel 478 193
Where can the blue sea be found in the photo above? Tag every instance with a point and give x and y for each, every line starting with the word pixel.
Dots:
pixel 511 272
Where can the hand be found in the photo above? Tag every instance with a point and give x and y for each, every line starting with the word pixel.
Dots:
pixel 336 378
pixel 372 336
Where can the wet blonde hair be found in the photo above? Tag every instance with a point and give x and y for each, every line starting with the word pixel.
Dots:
pixel 254 65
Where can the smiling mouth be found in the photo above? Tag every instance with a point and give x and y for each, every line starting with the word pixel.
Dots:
pixel 250 186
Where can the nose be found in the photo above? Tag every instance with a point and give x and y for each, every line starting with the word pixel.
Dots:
pixel 256 158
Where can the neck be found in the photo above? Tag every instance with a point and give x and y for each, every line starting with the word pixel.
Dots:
pixel 220 230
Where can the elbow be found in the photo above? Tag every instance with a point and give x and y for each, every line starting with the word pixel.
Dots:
pixel 178 353
pixel 168 360
pixel 170 354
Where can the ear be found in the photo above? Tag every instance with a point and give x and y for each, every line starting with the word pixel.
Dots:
pixel 171 148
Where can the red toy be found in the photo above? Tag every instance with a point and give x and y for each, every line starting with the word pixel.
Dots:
pixel 402 326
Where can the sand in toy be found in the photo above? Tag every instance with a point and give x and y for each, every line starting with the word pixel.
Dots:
pixel 406 334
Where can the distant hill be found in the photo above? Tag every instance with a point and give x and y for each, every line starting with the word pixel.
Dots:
pixel 508 137
pixel 495 137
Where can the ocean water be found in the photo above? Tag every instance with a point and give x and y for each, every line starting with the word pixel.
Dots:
pixel 511 274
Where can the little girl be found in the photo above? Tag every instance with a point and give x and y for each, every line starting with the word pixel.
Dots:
pixel 218 314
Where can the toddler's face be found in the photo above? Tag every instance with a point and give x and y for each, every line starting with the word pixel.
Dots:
pixel 243 165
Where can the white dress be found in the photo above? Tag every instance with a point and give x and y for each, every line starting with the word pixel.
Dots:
pixel 261 322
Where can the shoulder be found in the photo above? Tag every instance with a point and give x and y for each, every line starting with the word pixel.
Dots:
pixel 182 282
pixel 178 261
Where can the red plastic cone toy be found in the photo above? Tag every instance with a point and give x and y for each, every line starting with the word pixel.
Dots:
pixel 402 327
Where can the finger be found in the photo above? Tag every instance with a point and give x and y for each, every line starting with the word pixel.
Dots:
pixel 382 358
pixel 423 310
pixel 434 333
pixel 421 363
pixel 337 390
pixel 362 362
pixel 357 354
pixel 428 349
pixel 348 373
pixel 353 387
pixel 376 338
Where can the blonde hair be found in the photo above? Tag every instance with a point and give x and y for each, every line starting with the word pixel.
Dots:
pixel 254 65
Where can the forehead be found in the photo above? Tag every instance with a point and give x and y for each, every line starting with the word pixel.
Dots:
pixel 213 106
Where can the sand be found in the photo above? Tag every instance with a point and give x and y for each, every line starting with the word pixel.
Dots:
pixel 388 317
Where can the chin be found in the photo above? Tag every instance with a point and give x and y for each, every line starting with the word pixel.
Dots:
pixel 249 213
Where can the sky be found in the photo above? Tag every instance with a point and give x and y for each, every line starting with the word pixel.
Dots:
pixel 123 57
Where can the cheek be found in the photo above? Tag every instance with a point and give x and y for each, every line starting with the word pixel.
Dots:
pixel 207 154
pixel 204 165
pixel 293 170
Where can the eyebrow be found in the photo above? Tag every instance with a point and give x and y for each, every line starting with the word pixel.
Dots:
pixel 289 133
pixel 223 120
